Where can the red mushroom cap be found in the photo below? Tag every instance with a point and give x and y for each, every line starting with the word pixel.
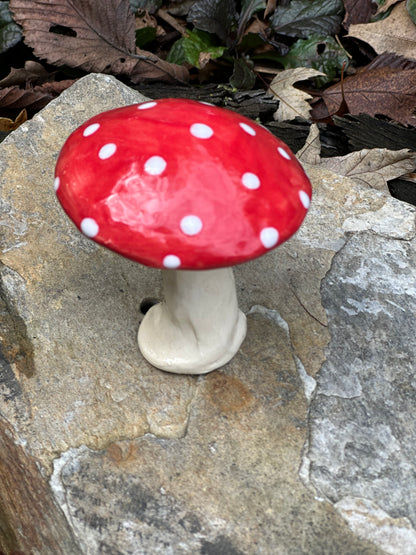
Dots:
pixel 181 184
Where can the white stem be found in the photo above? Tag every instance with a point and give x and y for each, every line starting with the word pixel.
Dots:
pixel 198 327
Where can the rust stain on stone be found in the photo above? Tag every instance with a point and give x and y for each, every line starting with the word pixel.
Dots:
pixel 121 452
pixel 228 393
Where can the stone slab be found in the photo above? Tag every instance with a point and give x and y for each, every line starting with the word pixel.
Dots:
pixel 229 486
pixel 363 434
pixel 249 459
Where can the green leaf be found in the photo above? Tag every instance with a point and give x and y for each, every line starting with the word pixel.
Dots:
pixel 243 78
pixel 218 17
pixel 189 48
pixel 177 53
pixel 321 53
pixel 250 41
pixel 411 8
pixel 10 33
pixel 145 35
pixel 301 18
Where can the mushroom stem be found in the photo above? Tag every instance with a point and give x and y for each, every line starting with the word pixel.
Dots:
pixel 198 327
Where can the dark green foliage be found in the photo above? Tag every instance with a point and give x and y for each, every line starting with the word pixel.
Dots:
pixel 321 53
pixel 10 33
pixel 145 35
pixel 218 17
pixel 243 77
pixel 194 45
pixel 301 18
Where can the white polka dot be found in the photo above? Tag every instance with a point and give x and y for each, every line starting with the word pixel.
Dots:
pixel 191 225
pixel 269 236
pixel 171 261
pixel 304 198
pixel 91 129
pixel 89 227
pixel 155 165
pixel 250 180
pixel 107 151
pixel 146 105
pixel 201 131
pixel 283 153
pixel 56 183
pixel 248 129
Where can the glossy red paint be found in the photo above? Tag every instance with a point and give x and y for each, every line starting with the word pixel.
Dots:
pixel 181 184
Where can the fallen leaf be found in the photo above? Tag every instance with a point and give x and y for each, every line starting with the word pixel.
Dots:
pixel 358 11
pixel 385 90
pixel 368 167
pixel 55 87
pixel 14 98
pixel 7 124
pixel 270 7
pixel 248 9
pixel 310 153
pixel 93 36
pixel 396 33
pixel 292 102
pixel 214 16
pixel 411 177
pixel 32 73
pixel 372 167
pixel 172 21
pixel 10 33
pixel 301 18
pixel 411 9
pixel 386 6
pixel 321 53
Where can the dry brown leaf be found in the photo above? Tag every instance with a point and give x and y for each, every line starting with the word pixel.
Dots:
pixel 386 6
pixel 396 33
pixel 357 11
pixel 270 7
pixel 172 21
pixel 55 87
pixel 93 36
pixel 390 91
pixel 310 153
pixel 14 98
pixel 7 124
pixel 372 167
pixel 32 73
pixel 144 20
pixel 367 167
pixel 292 102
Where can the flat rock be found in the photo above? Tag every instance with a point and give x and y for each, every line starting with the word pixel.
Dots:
pixel 249 459
pixel 362 434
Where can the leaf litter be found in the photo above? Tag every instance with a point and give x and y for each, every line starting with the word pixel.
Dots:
pixel 317 57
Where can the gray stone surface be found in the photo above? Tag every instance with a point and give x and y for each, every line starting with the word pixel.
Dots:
pixel 249 459
pixel 363 434
pixel 229 486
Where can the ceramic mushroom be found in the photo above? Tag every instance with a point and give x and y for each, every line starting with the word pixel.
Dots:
pixel 191 189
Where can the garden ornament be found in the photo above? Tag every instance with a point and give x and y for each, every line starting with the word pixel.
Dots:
pixel 191 189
